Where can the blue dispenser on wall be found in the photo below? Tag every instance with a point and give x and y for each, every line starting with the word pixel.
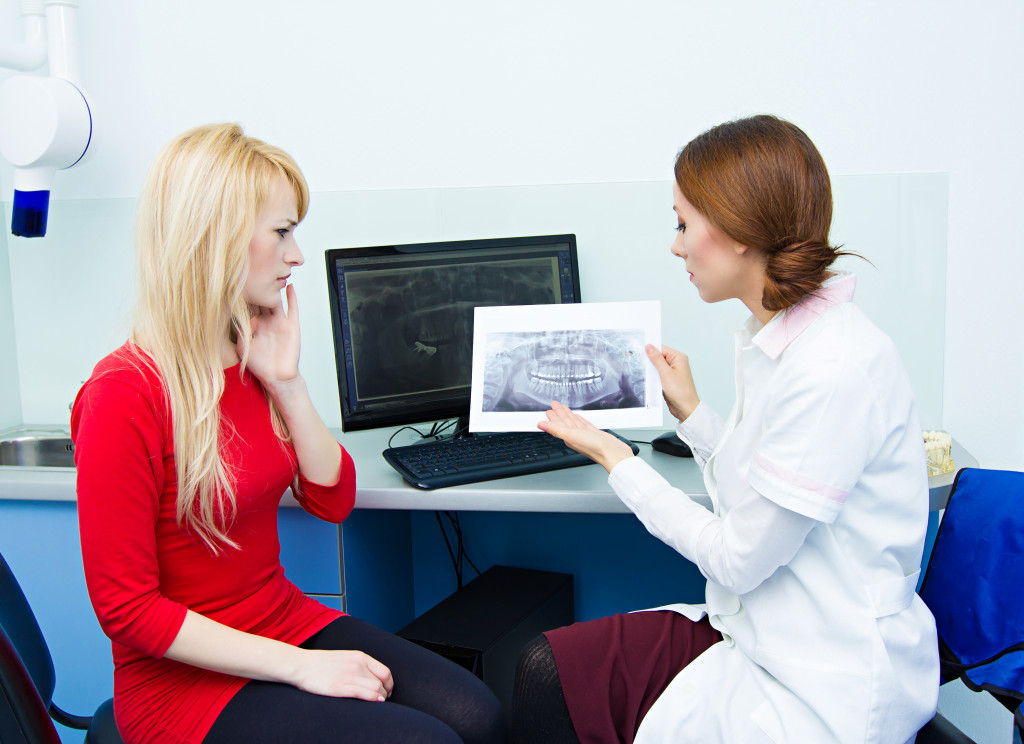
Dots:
pixel 45 122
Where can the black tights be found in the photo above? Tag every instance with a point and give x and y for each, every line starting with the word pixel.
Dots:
pixel 434 701
pixel 539 712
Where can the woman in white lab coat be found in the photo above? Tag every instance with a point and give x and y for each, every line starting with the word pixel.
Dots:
pixel 811 632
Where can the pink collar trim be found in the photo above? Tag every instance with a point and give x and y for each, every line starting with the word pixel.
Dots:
pixel 786 327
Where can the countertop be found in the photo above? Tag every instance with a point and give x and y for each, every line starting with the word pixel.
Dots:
pixel 582 489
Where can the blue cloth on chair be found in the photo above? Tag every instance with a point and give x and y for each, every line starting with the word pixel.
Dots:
pixel 975 583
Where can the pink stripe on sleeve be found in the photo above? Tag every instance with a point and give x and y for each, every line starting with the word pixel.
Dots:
pixel 800 481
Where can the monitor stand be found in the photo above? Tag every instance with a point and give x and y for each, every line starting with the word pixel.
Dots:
pixel 459 431
pixel 462 428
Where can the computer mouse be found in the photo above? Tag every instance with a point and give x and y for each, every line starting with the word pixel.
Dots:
pixel 670 444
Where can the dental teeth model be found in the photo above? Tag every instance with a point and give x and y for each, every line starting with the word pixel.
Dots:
pixel 937 447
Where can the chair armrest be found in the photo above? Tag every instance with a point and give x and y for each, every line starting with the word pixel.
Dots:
pixel 941 731
pixel 66 719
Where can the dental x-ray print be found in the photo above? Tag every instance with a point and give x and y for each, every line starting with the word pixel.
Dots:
pixel 585 369
pixel 588 356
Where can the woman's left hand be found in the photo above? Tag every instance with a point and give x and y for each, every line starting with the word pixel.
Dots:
pixel 274 351
pixel 584 437
pixel 274 360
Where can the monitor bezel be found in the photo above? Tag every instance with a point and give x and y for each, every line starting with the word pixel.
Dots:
pixel 410 413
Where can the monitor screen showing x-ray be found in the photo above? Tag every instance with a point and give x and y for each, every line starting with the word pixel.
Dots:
pixel 403 318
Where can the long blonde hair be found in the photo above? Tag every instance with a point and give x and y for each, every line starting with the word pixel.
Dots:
pixel 196 217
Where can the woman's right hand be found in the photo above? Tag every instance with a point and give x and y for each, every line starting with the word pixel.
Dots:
pixel 350 674
pixel 582 436
pixel 208 644
pixel 676 380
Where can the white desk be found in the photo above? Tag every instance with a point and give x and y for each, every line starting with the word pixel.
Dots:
pixel 583 489
pixel 580 490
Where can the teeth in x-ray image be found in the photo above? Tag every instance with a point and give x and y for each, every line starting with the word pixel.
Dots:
pixel 575 373
pixel 557 381
pixel 592 369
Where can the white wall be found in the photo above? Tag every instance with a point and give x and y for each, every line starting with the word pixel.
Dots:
pixel 407 95
pixel 73 290
pixel 461 93
pixel 10 399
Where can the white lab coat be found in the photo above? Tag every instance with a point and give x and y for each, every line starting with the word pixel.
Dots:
pixel 825 640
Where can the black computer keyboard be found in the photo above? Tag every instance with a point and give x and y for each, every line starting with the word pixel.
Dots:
pixel 481 457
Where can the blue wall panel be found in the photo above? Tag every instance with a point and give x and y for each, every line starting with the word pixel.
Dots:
pixel 379 567
pixel 310 551
pixel 617 566
pixel 39 539
pixel 396 568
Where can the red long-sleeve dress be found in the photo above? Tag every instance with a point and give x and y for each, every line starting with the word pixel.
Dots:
pixel 143 571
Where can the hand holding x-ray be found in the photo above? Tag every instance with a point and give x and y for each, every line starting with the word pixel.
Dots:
pixel 597 444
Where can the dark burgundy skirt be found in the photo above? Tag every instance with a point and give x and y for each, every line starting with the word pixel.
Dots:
pixel 613 669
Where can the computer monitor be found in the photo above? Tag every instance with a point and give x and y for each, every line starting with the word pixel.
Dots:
pixel 403 318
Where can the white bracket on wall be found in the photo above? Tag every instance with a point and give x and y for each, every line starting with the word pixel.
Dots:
pixel 45 121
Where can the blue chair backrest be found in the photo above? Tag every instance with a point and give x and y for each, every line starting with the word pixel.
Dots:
pixel 974 584
pixel 19 623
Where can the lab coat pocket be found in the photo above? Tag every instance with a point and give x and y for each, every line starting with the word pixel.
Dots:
pixel 892 596
pixel 788 724
pixel 766 717
pixel 813 699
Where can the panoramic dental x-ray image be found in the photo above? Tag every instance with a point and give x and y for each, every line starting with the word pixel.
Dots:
pixel 584 369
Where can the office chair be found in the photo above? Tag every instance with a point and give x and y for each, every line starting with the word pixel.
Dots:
pixel 972 586
pixel 27 679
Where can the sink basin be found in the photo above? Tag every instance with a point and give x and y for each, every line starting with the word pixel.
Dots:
pixel 38 451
